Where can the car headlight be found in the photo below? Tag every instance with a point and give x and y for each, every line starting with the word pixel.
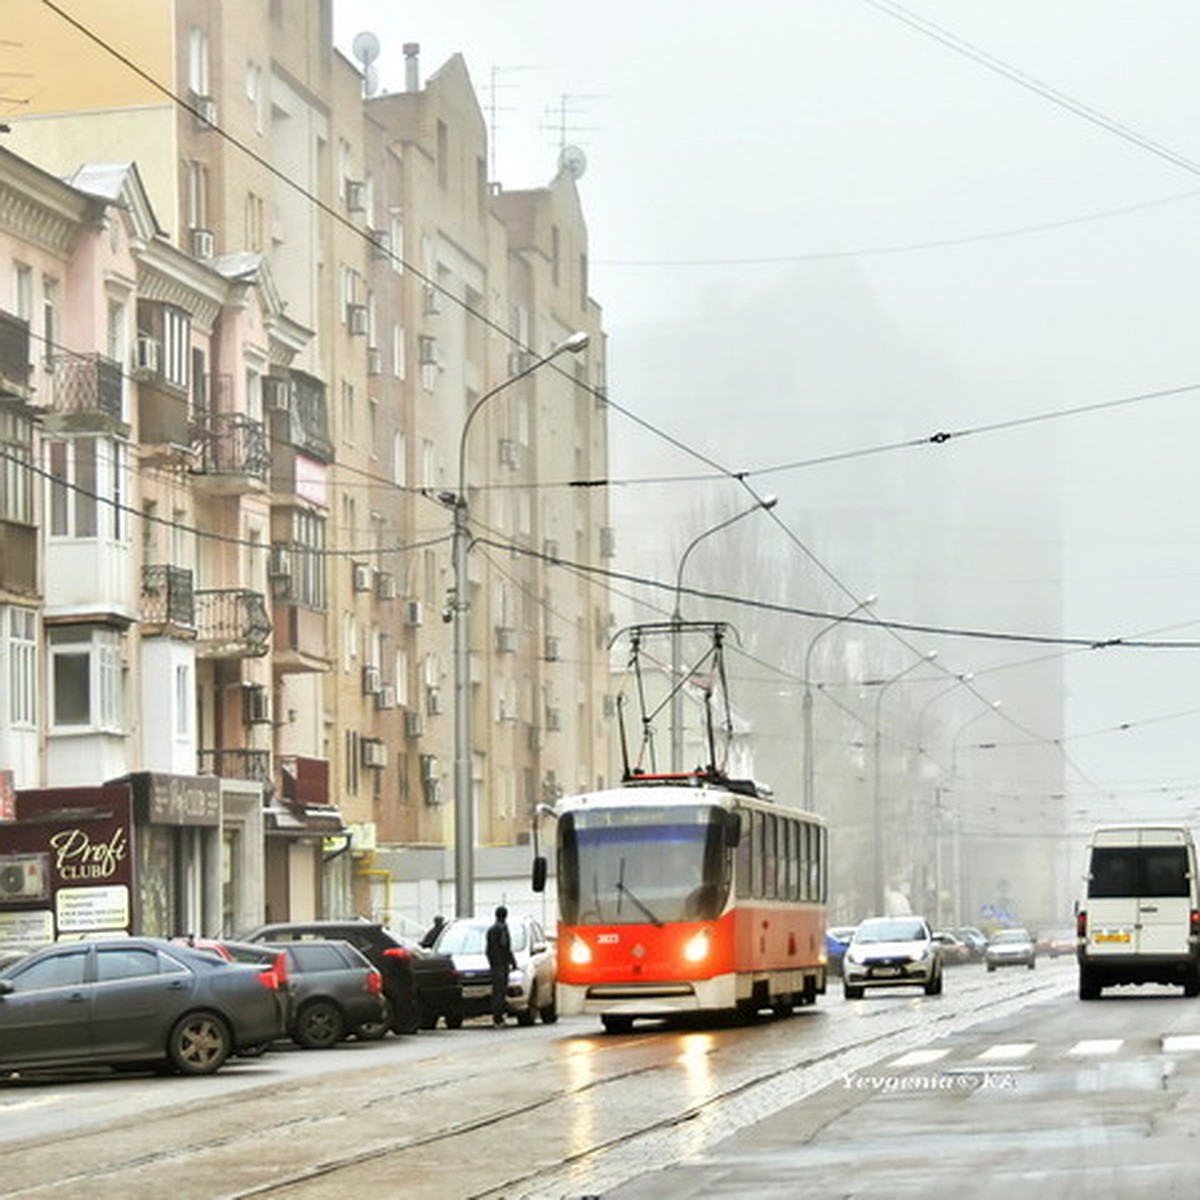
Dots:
pixel 580 953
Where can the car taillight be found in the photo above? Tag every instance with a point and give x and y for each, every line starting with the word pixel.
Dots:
pixel 275 977
pixel 1195 922
pixel 1081 923
pixel 375 983
pixel 396 952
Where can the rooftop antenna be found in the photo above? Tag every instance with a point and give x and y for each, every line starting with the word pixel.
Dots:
pixel 562 124
pixel 366 50
pixel 494 86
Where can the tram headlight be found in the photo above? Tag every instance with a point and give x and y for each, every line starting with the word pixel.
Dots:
pixel 696 950
pixel 580 953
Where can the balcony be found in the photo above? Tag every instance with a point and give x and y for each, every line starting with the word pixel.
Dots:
pixel 299 415
pixel 301 642
pixel 168 601
pixel 87 390
pixel 230 453
pixel 14 359
pixel 236 764
pixel 232 623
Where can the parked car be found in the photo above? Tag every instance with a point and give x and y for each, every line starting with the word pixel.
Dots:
pixel 421 986
pixel 892 952
pixel 332 990
pixel 119 1001
pixel 954 950
pixel 974 938
pixel 530 987
pixel 1011 948
pixel 837 938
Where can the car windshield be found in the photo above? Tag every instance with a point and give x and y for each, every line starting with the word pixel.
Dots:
pixel 898 930
pixel 462 937
pixel 1010 935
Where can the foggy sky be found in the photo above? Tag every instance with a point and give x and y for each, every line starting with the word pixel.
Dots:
pixel 955 248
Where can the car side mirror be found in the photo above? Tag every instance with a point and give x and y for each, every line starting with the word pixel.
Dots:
pixel 539 873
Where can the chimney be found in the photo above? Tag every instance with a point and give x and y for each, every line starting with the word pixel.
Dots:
pixel 412 66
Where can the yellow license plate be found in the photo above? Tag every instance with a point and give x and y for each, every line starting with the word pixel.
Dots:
pixel 1113 935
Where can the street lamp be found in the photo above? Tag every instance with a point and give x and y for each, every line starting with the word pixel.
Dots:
pixel 956 816
pixel 766 504
pixel 807 704
pixel 966 677
pixel 878 799
pixel 464 801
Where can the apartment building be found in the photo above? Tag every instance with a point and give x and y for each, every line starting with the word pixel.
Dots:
pixel 345 286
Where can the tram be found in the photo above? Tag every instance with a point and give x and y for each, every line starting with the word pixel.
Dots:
pixel 687 893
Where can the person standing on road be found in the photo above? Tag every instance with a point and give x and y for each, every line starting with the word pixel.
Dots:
pixel 432 933
pixel 501 961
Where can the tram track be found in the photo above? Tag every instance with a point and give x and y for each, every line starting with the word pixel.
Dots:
pixel 329 1135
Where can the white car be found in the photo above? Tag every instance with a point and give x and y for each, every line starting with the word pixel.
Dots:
pixel 1011 948
pixel 530 987
pixel 892 952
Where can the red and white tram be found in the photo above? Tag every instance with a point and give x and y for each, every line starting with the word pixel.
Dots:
pixel 688 893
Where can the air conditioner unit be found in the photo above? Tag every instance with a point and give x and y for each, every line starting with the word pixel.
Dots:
pixel 370 681
pixel 385 585
pixel 381 243
pixel 429 766
pixel 413 613
pixel 553 720
pixel 510 453
pixel 205 108
pixel 362 577
pixel 256 708
pixel 610 705
pixel 427 350
pixel 23 877
pixel 608 542
pixel 551 648
pixel 204 244
pixel 374 361
pixel 374 753
pixel 505 710
pixel 431 300
pixel 414 724
pixel 433 701
pixel 279 564
pixel 356 195
pixel 518 361
pixel 357 319
pixel 506 639
pixel 386 696
pixel 146 351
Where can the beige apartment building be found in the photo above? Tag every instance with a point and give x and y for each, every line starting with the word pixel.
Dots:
pixel 306 472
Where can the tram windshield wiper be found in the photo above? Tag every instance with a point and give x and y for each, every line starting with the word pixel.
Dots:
pixel 625 890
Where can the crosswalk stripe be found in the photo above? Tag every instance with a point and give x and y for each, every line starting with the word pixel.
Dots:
pixel 1092 1046
pixel 1174 1042
pixel 920 1058
pixel 1005 1050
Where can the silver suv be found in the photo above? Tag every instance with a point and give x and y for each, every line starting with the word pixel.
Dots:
pixel 892 952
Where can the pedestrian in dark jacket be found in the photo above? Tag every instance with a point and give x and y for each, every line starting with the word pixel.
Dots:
pixel 432 933
pixel 501 961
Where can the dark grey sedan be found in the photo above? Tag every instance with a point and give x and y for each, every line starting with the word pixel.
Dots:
pixel 122 1001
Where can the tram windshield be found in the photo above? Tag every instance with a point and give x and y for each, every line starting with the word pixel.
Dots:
pixel 633 865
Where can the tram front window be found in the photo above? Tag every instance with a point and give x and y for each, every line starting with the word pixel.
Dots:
pixel 628 866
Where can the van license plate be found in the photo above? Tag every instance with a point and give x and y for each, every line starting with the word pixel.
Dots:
pixel 1113 935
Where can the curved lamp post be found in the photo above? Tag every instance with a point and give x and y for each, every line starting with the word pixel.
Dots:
pixel 878 752
pixel 956 817
pixel 807 703
pixel 765 504
pixel 464 801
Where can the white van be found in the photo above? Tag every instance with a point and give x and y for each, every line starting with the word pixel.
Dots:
pixel 1139 920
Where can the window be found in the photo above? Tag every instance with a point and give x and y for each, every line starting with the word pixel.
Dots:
pixel 22 668
pixel 255 221
pixel 308 570
pixel 49 317
pixel 16 468
pixel 197 194
pixel 183 700
pixel 125 962
pixel 177 337
pixel 443 154
pixel 198 78
pixel 23 291
pixel 86 679
pixel 86 494
pixel 59 970
pixel 399 459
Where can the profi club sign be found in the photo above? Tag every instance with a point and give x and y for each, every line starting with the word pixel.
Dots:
pixel 66 864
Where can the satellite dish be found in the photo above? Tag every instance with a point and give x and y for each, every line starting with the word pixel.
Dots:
pixel 572 160
pixel 365 47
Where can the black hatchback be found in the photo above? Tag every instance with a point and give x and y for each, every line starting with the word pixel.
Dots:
pixel 421 986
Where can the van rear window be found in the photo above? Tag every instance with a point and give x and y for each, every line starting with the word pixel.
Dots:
pixel 1138 871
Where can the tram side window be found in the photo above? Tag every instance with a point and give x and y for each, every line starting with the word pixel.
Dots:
pixel 756 862
pixel 794 855
pixel 745 856
pixel 818 863
pixel 770 855
pixel 786 874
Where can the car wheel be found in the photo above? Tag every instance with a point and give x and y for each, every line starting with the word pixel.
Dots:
pixel 198 1044
pixel 1032 964
pixel 319 1025
pixel 1191 982
pixel 852 991
pixel 549 1012
pixel 933 986
pixel 991 967
pixel 453 1020
pixel 1089 988
pixel 526 1015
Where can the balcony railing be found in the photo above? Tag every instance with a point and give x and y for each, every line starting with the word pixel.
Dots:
pixel 301 413
pixel 14 358
pixel 232 623
pixel 168 597
pixel 87 387
pixel 236 764
pixel 231 445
